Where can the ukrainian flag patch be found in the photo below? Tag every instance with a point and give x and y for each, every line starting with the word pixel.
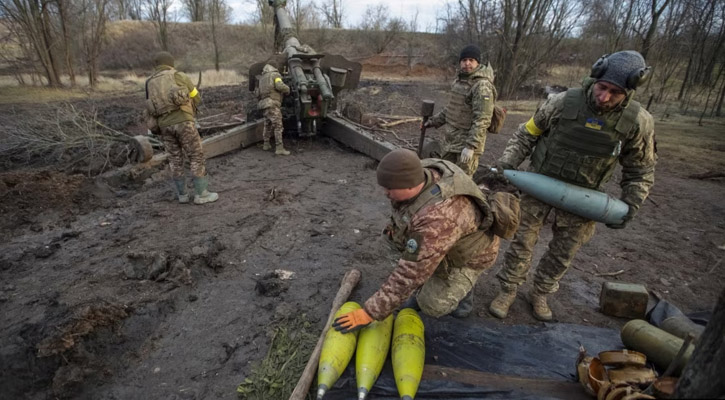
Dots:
pixel 593 123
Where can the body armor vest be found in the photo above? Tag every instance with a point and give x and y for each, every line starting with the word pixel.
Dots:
pixel 459 113
pixel 165 96
pixel 453 182
pixel 582 149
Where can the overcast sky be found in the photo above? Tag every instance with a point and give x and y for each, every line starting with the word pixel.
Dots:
pixel 353 10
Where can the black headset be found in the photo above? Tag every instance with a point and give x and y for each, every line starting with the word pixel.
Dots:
pixel 636 78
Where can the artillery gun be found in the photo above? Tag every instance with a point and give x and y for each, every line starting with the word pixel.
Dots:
pixel 314 78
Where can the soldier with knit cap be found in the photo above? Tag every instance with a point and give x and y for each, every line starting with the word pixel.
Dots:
pixel 441 225
pixel 468 113
pixel 578 137
pixel 171 101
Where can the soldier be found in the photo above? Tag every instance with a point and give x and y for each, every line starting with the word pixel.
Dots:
pixel 469 111
pixel 171 101
pixel 443 225
pixel 271 90
pixel 578 136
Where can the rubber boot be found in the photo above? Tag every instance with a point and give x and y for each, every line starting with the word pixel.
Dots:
pixel 499 307
pixel 465 306
pixel 181 192
pixel 203 195
pixel 266 146
pixel 280 151
pixel 542 312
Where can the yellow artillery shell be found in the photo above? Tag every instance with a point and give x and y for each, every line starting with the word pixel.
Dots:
pixel 408 352
pixel 372 350
pixel 336 353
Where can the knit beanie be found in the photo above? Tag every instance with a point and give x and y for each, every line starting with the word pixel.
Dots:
pixel 400 169
pixel 620 66
pixel 470 51
pixel 163 58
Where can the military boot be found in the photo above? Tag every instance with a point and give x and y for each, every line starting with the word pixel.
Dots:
pixel 465 306
pixel 542 312
pixel 266 146
pixel 203 195
pixel 280 151
pixel 499 307
pixel 181 192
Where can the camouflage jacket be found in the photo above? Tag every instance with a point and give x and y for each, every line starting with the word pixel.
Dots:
pixel 637 155
pixel 179 116
pixel 271 88
pixel 469 110
pixel 436 229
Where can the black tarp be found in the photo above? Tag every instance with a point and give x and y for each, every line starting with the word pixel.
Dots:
pixel 544 351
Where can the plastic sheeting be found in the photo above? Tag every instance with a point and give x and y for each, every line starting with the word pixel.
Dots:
pixel 546 351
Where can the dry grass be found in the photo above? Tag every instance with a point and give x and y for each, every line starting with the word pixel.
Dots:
pixel 128 82
pixel 567 75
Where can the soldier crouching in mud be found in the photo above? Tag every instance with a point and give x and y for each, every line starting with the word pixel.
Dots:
pixel 171 101
pixel 447 231
pixel 577 136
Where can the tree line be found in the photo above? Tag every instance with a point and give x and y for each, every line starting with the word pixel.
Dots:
pixel 683 40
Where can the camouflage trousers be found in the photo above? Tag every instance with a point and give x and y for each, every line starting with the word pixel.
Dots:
pixel 570 233
pixel 469 168
pixel 442 292
pixel 180 139
pixel 273 123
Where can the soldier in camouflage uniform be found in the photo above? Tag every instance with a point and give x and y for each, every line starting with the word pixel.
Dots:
pixel 171 100
pixel 577 136
pixel 469 111
pixel 271 90
pixel 441 225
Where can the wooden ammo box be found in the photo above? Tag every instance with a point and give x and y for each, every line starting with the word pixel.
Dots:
pixel 627 300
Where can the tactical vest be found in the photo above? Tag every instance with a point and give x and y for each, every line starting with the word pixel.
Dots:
pixel 459 113
pixel 165 96
pixel 453 182
pixel 582 149
pixel 266 88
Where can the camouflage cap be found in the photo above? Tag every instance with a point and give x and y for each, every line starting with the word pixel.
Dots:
pixel 163 58
pixel 400 169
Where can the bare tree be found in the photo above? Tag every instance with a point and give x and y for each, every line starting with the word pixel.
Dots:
pixel 64 13
pixel 195 10
pixel 94 16
pixel 33 19
pixel 378 29
pixel 219 13
pixel 127 9
pixel 332 10
pixel 158 11
pixel 304 16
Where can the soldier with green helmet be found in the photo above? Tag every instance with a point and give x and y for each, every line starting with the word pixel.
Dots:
pixel 468 112
pixel 270 92
pixel 578 136
pixel 171 101
pixel 443 226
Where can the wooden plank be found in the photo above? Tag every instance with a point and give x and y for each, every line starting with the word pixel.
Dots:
pixel 549 387
pixel 233 139
pixel 357 138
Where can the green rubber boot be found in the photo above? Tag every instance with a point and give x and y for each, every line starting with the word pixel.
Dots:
pixel 181 192
pixel 203 195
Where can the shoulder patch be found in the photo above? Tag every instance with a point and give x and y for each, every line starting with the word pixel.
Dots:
pixel 412 247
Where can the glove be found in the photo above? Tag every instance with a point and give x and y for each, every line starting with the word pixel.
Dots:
pixel 427 124
pixel 466 155
pixel 625 220
pixel 352 321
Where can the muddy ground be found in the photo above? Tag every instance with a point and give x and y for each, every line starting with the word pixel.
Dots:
pixel 112 290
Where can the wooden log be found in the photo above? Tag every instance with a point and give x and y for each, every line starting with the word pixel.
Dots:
pixel 349 281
